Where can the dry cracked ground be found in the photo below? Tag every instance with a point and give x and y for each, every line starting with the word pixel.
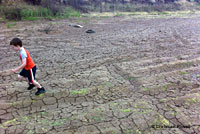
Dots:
pixel 133 76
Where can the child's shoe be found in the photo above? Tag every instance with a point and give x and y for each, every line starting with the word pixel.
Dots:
pixel 40 91
pixel 31 86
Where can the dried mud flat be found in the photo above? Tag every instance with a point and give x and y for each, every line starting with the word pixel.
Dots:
pixel 133 76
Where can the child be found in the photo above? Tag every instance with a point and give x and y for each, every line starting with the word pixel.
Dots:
pixel 28 67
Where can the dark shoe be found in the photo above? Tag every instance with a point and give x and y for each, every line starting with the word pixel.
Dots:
pixel 31 86
pixel 40 91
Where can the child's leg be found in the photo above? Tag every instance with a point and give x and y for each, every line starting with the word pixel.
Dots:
pixel 31 78
pixel 23 78
pixel 37 84
pixel 23 75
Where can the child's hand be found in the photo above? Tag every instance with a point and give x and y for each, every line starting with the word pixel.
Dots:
pixel 13 71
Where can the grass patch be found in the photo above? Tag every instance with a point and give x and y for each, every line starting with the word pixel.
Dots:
pixel 118 14
pixel 34 14
pixel 132 78
pixel 11 24
pixel 126 110
pixel 193 100
pixel 183 73
pixel 165 87
pixel 108 84
pixel 27 12
pixel 145 89
pixel 83 91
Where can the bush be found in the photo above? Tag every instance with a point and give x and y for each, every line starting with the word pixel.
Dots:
pixel 71 12
pixel 32 14
pixel 48 10
pixel 52 6
pixel 12 13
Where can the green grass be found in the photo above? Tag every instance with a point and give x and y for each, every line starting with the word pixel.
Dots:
pixel 183 73
pixel 34 14
pixel 165 87
pixel 70 12
pixel 10 24
pixel 80 92
pixel 118 14
pixel 132 78
pixel 145 89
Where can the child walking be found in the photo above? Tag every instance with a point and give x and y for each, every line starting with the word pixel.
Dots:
pixel 28 67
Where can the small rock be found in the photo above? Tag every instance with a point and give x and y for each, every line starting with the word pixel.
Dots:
pixel 75 25
pixel 90 31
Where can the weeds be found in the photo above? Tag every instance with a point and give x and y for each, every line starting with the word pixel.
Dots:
pixel 145 89
pixel 165 87
pixel 183 73
pixel 34 14
pixel 80 92
pixel 31 13
pixel 118 14
pixel 10 24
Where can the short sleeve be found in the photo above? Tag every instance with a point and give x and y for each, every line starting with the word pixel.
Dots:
pixel 23 54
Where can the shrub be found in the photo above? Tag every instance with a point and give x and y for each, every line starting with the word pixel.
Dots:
pixel 33 14
pixel 71 12
pixel 12 13
pixel 52 6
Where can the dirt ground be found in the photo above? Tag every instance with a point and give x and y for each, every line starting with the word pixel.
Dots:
pixel 133 76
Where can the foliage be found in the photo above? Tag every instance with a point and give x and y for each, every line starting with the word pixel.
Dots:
pixel 33 14
pixel 55 9
pixel 10 13
pixel 28 12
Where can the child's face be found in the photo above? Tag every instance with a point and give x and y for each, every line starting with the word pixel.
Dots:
pixel 15 47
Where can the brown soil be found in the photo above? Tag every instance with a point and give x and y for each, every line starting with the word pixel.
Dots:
pixel 133 76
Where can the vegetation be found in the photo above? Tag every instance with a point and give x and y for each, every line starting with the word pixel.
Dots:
pixel 30 12
pixel 35 9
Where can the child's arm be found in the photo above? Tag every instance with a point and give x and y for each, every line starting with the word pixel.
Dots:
pixel 20 67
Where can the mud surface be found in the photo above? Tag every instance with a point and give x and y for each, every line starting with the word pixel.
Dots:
pixel 133 76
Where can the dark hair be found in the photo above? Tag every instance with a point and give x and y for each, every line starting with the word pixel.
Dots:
pixel 16 42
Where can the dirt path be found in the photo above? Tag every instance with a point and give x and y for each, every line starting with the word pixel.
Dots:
pixel 133 76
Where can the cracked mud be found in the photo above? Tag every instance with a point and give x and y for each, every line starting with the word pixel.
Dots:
pixel 133 76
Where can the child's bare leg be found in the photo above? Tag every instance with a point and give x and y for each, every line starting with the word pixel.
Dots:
pixel 37 84
pixel 23 78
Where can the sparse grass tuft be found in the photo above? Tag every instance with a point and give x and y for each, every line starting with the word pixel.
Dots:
pixel 80 92
pixel 10 24
pixel 183 73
